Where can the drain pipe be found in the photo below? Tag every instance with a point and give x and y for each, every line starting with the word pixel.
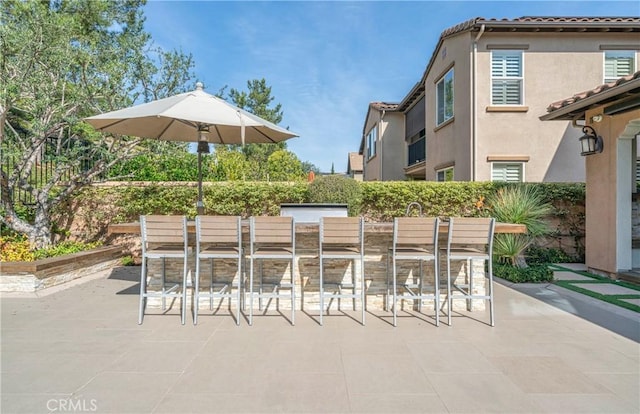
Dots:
pixel 382 114
pixel 474 128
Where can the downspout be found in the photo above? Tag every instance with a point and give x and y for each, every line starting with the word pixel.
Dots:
pixel 382 113
pixel 474 103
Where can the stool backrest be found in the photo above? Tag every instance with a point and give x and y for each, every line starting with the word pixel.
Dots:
pixel 341 230
pixel 218 229
pixel 161 229
pixel 415 231
pixel 471 230
pixel 272 230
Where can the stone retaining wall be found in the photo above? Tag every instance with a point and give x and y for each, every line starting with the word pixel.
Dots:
pixel 41 274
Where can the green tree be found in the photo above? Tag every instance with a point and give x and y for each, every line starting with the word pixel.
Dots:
pixel 284 165
pixel 259 101
pixel 230 164
pixel 62 61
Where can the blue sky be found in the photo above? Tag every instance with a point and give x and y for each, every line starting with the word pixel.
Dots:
pixel 327 60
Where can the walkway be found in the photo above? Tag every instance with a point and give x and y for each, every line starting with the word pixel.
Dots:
pixel 81 348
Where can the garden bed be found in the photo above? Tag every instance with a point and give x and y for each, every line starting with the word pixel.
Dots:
pixel 45 273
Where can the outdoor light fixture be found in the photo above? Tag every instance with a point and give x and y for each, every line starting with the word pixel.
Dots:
pixel 591 142
pixel 203 144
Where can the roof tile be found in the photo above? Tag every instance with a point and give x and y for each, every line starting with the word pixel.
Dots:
pixel 598 89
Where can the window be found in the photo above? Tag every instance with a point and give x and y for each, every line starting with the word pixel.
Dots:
pixel 446 174
pixel 372 137
pixel 618 63
pixel 444 98
pixel 507 77
pixel 512 172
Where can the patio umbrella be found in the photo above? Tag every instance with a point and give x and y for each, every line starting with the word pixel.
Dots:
pixel 194 116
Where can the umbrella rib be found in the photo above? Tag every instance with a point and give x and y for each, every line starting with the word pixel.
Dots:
pixel 264 135
pixel 110 125
pixel 215 126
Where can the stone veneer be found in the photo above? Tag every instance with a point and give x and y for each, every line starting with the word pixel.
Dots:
pixel 377 244
pixel 45 273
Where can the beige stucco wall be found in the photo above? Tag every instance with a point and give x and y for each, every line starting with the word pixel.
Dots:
pixel 394 147
pixel 555 66
pixel 602 209
pixel 390 159
pixel 450 142
pixel 551 64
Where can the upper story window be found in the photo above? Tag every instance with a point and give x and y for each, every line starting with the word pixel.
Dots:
pixel 618 63
pixel 444 98
pixel 507 77
pixel 372 138
pixel 512 172
pixel 445 174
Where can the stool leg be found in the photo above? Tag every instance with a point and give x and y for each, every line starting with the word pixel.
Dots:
pixel 251 292
pixel 143 290
pixel 162 280
pixel 321 289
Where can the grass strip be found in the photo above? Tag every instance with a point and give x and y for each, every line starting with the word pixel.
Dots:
pixel 612 299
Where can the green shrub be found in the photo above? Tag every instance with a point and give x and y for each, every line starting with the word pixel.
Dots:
pixel 128 261
pixel 15 248
pixel 519 204
pixel 384 200
pixel 531 274
pixel 337 189
pixel 65 247
pixel 542 255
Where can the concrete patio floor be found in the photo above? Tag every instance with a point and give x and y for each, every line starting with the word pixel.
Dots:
pixel 79 349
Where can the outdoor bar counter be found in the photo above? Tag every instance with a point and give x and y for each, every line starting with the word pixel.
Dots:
pixel 378 240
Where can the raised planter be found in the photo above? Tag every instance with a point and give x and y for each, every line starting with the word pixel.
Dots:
pixel 41 274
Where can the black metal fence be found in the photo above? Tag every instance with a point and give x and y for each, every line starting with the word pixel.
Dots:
pixel 41 173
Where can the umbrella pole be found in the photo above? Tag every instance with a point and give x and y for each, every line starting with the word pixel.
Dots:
pixel 200 204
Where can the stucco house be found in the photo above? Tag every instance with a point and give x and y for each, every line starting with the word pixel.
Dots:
pixel 474 114
pixel 354 166
pixel 612 223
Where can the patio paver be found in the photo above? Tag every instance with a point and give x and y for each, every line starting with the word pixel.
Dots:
pixel 82 347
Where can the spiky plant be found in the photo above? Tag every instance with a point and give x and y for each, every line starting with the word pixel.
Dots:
pixel 519 204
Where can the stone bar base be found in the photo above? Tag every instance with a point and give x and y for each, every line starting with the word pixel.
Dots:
pixel 377 246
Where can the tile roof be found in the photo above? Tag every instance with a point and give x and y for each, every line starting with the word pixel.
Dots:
pixel 541 23
pixel 384 106
pixel 591 92
pixel 617 96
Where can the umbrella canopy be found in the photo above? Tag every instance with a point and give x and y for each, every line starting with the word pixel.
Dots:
pixel 181 117
pixel 194 116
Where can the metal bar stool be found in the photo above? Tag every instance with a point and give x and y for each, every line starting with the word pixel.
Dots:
pixel 342 238
pixel 163 237
pixel 469 239
pixel 218 238
pixel 272 238
pixel 415 239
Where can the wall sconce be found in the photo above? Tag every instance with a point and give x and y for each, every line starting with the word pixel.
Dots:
pixel 591 142
pixel 203 144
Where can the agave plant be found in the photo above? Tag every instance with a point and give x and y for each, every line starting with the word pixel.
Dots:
pixel 520 204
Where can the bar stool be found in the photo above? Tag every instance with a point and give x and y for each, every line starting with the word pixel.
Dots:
pixel 272 238
pixel 469 239
pixel 218 237
pixel 163 237
pixel 415 239
pixel 342 238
